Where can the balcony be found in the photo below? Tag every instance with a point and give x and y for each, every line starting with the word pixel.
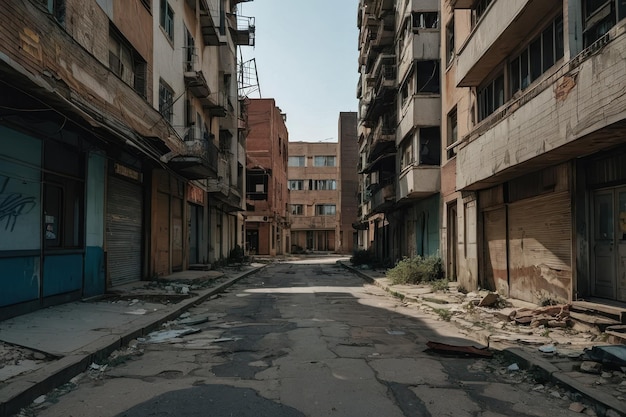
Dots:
pixel 565 115
pixel 419 181
pixel 216 104
pixel 198 160
pixel 382 7
pixel 423 46
pixel 503 27
pixel 196 84
pixel 210 31
pixel 421 110
pixel 243 30
pixel 383 197
pixel 383 137
pixel 384 33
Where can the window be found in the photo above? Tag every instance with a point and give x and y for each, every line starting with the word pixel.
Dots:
pixel 56 8
pixel 324 161
pixel 63 197
pixel 425 20
pixel 599 17
pixel 479 10
pixel 296 161
pixel 407 154
pixel 428 77
pixel 450 51
pixel 296 209
pixel 296 184
pixel 166 101
pixel 322 184
pixel 452 132
pixel 539 56
pixel 491 97
pixel 167 19
pixel 430 145
pixel 126 63
pixel 325 209
pixel 189 56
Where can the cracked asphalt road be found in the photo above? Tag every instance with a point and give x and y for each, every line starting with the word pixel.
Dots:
pixel 300 339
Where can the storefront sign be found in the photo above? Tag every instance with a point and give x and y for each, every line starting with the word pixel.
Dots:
pixel 127 172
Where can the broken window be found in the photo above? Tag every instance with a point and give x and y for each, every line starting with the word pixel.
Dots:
pixel 428 77
pixel 167 19
pixel 297 185
pixel 425 20
pixel 166 101
pixel 296 209
pixel 126 62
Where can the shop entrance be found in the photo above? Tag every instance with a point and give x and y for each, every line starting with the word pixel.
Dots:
pixel 609 244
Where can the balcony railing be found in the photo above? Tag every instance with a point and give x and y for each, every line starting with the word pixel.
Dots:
pixel 383 198
pixel 198 159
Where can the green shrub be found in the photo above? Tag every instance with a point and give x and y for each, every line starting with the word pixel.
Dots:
pixel 440 285
pixel 415 270
pixel 363 257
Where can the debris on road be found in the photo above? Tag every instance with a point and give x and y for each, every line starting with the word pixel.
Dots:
pixel 550 316
pixel 161 336
pixel 459 349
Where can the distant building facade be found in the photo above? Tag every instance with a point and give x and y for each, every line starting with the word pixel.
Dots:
pixel 314 196
pixel 399 133
pixel 267 195
pixel 348 153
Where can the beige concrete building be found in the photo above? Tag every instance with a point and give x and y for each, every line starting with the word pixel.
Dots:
pixel 399 128
pixel 533 176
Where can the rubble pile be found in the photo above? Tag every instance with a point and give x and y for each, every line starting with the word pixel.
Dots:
pixel 550 316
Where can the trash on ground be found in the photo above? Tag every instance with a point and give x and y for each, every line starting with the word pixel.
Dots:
pixel 513 367
pixel 467 350
pixel 577 407
pixel 591 367
pixel 165 335
pixel 489 300
pixel 395 332
pixel 548 349
pixel 138 312
pixel 190 321
pixel 550 316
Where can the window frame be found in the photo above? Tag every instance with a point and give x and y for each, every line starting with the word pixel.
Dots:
pixel 166 19
pixel 138 66
pixel 296 185
pixel 327 161
pixel 166 101
pixel 300 158
pixel 325 209
pixel 296 209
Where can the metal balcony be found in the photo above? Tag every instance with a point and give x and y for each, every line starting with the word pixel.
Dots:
pixel 216 104
pixel 196 84
pixel 198 159
pixel 383 197
pixel 210 31
pixel 243 31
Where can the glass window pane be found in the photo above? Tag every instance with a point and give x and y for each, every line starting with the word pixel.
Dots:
pixel 535 59
pixel 514 75
pixel 547 41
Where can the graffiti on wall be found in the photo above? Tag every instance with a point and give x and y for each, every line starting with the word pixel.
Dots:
pixel 13 205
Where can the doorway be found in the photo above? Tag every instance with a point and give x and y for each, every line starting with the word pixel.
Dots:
pixel 608 245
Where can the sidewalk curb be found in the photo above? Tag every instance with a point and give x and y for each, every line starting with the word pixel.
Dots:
pixel 24 389
pixel 545 370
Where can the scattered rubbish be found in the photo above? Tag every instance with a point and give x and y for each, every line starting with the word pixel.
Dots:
pixel 40 400
pixel 591 367
pixel 184 290
pixel 225 339
pixel 467 350
pixel 612 355
pixel 489 300
pixel 395 332
pixel 539 387
pixel 133 302
pixel 165 335
pixel 185 315
pixel 555 394
pixel 577 407
pixel 138 312
pixel 95 367
pixel 550 316
pixel 550 349
pixel 513 367
pixel 190 321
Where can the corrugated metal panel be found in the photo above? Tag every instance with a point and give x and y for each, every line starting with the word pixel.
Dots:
pixel 162 261
pixel 495 250
pixel 124 214
pixel 540 248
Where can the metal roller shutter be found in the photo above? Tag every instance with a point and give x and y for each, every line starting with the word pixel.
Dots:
pixel 540 247
pixel 124 214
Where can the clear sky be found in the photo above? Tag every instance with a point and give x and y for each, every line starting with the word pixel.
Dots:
pixel 306 57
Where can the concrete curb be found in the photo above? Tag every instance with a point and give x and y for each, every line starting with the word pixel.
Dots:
pixel 600 401
pixel 22 390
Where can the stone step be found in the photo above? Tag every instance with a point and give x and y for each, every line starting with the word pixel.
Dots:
pixel 593 320
pixel 616 313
